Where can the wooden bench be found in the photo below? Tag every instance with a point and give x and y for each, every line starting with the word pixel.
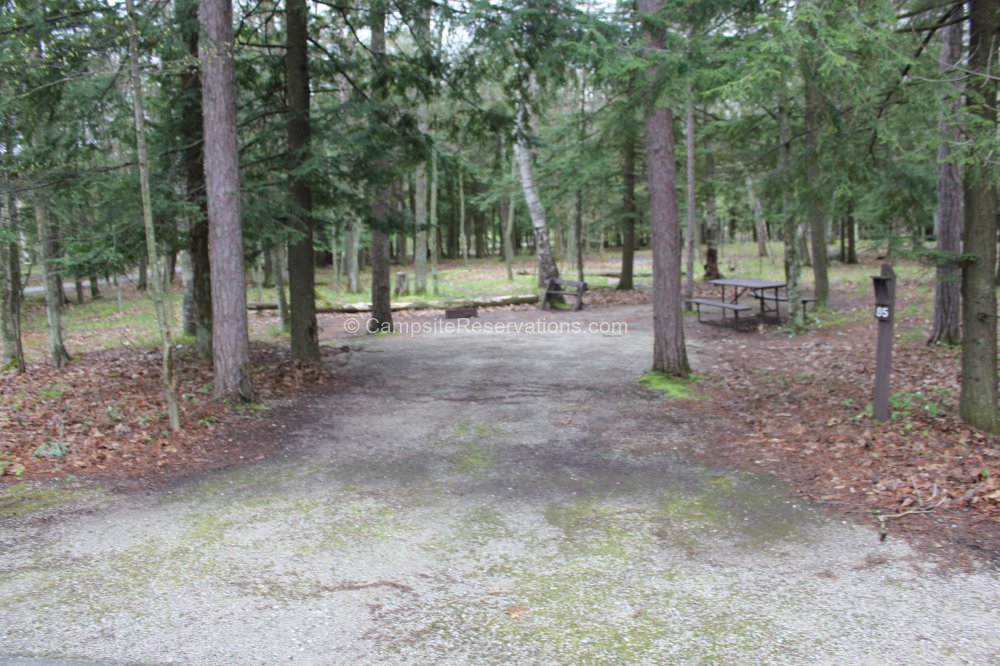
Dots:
pixel 735 307
pixel 557 287
pixel 784 299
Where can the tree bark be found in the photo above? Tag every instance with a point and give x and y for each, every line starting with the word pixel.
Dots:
pixel 49 255
pixel 143 283
pixel 301 269
pixel 817 218
pixel 578 234
pixel 630 212
pixel 280 271
pixel 10 270
pixel 712 229
pixel 187 300
pixel 692 211
pixel 547 268
pixel 432 214
pixel 791 229
pixel 852 232
pixel 159 283
pixel 381 319
pixel 669 351
pixel 194 177
pixel 351 243
pixel 230 340
pixel 463 236
pixel 978 399
pixel 508 231
pixel 759 222
pixel 422 35
pixel 948 211
pixel 420 220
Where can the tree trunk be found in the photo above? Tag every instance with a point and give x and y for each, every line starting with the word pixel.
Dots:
pixel 547 268
pixel 852 233
pixel 805 257
pixel 159 281
pixel 48 255
pixel 759 222
pixel 669 351
pixel 791 229
pixel 432 214
pixel 351 254
pixel 170 262
pixel 978 400
pixel 381 318
pixel 194 178
pixel 422 35
pixel 463 236
pixel 401 248
pixel 817 219
pixel 692 212
pixel 577 249
pixel 301 270
pixel 337 263
pixel 508 231
pixel 143 282
pixel 187 303
pixel 280 271
pixel 10 278
pixel 230 341
pixel 948 212
pixel 10 269
pixel 420 219
pixel 194 170
pixel 629 212
pixel 712 230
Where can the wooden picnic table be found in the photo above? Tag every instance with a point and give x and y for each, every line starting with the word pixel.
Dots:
pixel 765 291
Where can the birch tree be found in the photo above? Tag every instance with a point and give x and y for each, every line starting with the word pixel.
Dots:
pixel 166 346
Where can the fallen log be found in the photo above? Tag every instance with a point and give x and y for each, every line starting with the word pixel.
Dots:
pixel 357 308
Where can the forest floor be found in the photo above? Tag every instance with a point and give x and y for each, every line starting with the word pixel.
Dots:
pixel 798 406
pixel 516 496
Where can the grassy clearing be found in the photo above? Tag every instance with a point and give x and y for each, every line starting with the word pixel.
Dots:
pixel 125 317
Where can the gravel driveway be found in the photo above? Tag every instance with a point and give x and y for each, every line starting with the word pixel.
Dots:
pixel 462 498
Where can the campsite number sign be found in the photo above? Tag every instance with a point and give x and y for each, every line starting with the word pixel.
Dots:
pixel 885 301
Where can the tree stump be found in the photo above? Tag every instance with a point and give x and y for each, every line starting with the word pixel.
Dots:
pixel 402 285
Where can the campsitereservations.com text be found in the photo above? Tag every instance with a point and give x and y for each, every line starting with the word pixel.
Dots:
pixel 454 326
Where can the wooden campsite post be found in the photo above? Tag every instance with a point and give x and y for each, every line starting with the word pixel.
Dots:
pixel 885 306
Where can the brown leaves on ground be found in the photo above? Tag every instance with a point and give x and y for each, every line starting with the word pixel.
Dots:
pixel 107 412
pixel 800 406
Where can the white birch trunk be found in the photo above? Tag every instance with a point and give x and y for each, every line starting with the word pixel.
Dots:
pixel 155 263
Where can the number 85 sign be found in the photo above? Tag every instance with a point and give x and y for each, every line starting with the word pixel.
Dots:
pixel 882 312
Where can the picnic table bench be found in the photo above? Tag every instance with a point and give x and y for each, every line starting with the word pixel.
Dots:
pixel 558 287
pixel 736 308
pixel 766 292
pixel 784 299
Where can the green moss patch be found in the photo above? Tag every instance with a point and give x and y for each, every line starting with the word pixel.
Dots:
pixel 672 387
pixel 24 498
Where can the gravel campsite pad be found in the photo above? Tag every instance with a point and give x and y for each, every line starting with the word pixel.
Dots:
pixel 490 498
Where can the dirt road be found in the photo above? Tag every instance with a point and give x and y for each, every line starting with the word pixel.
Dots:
pixel 478 498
